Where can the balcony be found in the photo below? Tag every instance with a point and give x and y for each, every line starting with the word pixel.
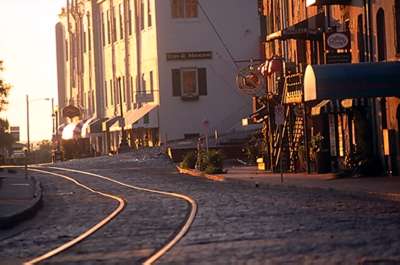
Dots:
pixel 144 97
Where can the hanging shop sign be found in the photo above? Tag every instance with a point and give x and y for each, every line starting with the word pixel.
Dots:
pixel 338 40
pixel 182 56
pixel 250 81
pixel 334 58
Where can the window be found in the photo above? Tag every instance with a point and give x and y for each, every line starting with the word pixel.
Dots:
pixel 143 86
pixel 121 22
pixel 132 89
pixel 189 83
pixel 380 29
pixel 149 22
pixel 146 119
pixel 114 26
pixel 108 27
pixel 105 94
pixel 111 92
pixel 123 89
pixel 184 8
pixel 84 41
pixel 118 91
pixel 130 18
pixel 360 39
pixel 142 14
pixel 397 17
pixel 66 50
pixel 103 29
pixel 151 82
pixel 89 33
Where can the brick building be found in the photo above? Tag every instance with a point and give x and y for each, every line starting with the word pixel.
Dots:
pixel 347 103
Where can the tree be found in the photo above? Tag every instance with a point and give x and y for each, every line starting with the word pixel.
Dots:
pixel 42 153
pixel 6 139
pixel 4 90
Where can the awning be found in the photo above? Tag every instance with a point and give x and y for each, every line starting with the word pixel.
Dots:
pixel 316 110
pixel 78 129
pixel 68 131
pixel 308 29
pixel 337 105
pixel 85 127
pixel 135 115
pixel 106 125
pixel 61 128
pixel 340 81
pixel 96 126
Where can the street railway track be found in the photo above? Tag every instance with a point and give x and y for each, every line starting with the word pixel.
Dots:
pixel 150 260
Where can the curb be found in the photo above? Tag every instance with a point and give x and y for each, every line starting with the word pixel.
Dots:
pixel 198 173
pixel 28 211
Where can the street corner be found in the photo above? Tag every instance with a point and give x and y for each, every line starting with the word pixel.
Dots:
pixel 20 199
pixel 198 173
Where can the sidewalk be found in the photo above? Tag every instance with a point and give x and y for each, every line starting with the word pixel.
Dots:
pixel 20 197
pixel 388 186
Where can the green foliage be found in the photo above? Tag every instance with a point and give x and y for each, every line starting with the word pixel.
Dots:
pixel 213 162
pixel 42 154
pixel 315 145
pixel 189 160
pixel 4 91
pixel 6 139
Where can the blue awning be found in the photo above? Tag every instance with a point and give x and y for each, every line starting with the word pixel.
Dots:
pixel 340 81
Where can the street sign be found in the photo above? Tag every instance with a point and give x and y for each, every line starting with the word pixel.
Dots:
pixel 279 114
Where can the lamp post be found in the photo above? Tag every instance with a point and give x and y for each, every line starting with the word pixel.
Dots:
pixel 123 146
pixel 27 118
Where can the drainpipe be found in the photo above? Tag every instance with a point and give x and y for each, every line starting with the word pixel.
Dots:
pixel 138 45
pixel 127 55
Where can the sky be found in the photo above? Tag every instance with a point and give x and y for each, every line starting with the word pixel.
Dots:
pixel 27 47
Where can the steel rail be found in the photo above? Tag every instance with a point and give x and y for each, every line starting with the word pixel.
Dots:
pixel 87 233
pixel 185 228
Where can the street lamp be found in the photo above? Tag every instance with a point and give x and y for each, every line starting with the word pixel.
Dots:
pixel 123 146
pixel 27 117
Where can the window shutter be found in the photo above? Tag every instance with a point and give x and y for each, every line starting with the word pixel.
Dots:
pixel 202 81
pixel 176 83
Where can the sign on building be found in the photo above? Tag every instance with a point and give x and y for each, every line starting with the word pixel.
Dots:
pixel 338 40
pixel 14 131
pixel 182 56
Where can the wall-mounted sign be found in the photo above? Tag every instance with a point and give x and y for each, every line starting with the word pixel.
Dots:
pixel 179 56
pixel 338 40
pixel 333 57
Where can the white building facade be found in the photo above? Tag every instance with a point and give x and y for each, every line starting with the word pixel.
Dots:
pixel 167 67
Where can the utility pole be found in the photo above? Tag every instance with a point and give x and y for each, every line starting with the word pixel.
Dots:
pixel 27 124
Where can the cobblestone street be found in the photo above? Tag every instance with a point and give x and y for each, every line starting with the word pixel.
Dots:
pixel 236 223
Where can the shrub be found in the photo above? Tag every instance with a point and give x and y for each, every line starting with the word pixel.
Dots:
pixel 213 162
pixel 189 160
